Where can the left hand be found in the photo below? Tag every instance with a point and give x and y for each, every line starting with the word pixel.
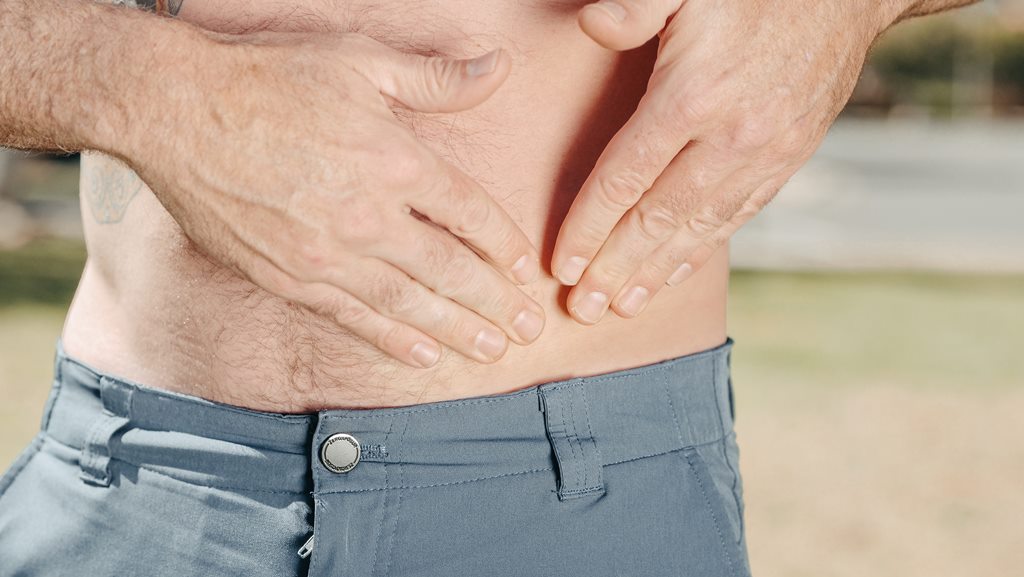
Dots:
pixel 741 95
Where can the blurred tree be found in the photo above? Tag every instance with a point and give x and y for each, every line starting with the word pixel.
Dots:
pixel 947 65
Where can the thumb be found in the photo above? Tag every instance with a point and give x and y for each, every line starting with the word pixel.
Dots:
pixel 436 84
pixel 626 24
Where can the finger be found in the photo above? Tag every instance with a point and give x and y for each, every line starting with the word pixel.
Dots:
pixel 686 253
pixel 393 294
pixel 629 165
pixel 440 262
pixel 626 24
pixel 432 83
pixel 667 207
pixel 397 339
pixel 464 208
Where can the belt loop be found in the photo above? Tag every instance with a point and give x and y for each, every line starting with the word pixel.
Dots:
pixel 723 391
pixel 567 423
pixel 728 384
pixel 95 460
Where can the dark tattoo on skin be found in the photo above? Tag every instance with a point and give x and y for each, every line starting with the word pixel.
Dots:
pixel 111 189
pixel 165 7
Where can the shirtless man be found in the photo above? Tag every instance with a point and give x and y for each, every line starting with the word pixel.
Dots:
pixel 316 315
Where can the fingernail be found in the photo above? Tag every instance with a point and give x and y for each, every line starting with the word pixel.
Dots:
pixel 426 354
pixel 490 342
pixel 525 270
pixel 680 275
pixel 634 300
pixel 483 65
pixel 614 9
pixel 572 270
pixel 591 307
pixel 528 325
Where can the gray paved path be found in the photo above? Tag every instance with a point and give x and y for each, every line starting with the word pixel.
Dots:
pixel 899 194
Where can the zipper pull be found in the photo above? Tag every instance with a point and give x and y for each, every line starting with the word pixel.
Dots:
pixel 307 549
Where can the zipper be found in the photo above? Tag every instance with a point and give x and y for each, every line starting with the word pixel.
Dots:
pixel 307 548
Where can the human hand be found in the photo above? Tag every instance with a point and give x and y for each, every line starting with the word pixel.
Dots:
pixel 741 95
pixel 279 156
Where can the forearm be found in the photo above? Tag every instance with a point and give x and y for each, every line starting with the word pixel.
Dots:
pixel 79 75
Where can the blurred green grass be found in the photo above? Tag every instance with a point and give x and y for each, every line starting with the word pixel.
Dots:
pixel 916 329
pixel 44 272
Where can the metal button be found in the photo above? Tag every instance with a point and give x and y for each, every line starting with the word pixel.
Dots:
pixel 340 452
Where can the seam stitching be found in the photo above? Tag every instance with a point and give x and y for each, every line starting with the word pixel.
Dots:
pixel 442 484
pixel 579 462
pixel 384 502
pixel 675 416
pixel 689 454
pixel 593 442
pixel 398 504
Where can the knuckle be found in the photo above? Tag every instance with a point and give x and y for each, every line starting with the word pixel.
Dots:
pixel 459 276
pixel 473 216
pixel 396 298
pixel 753 132
pixel 279 283
pixel 438 75
pixel 749 210
pixel 311 254
pixel 508 245
pixel 390 339
pixel 655 221
pixel 622 190
pixel 714 242
pixel 670 261
pixel 705 222
pixel 438 316
pixel 503 306
pixel 436 253
pixel 756 203
pixel 348 311
pixel 403 166
pixel 690 107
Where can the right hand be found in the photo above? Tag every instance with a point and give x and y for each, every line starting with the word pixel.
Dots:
pixel 279 156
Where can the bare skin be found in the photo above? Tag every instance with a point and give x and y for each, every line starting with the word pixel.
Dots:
pixel 182 322
pixel 166 300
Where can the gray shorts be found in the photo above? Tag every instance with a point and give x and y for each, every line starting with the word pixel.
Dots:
pixel 629 473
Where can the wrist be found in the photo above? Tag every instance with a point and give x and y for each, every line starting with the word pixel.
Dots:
pixel 141 73
pixel 893 11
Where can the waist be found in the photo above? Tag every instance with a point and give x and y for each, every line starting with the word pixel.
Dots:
pixel 254 350
pixel 102 420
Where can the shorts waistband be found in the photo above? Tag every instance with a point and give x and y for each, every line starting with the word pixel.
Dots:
pixel 574 426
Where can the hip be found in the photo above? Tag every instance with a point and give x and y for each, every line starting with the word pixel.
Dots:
pixel 223 339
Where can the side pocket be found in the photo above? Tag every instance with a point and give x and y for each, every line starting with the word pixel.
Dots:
pixel 715 481
pixel 732 459
pixel 19 464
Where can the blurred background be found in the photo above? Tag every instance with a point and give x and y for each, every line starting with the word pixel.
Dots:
pixel 877 305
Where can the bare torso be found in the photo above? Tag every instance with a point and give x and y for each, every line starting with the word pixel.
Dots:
pixel 153 309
